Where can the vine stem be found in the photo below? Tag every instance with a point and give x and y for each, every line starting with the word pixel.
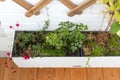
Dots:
pixel 88 61
pixel 109 23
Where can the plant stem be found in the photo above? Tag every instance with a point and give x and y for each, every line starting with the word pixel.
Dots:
pixel 88 61
pixel 109 23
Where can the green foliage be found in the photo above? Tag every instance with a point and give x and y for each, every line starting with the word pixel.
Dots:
pixel 68 35
pixel 92 48
pixel 22 40
pixel 113 46
pixel 44 50
pixel 67 38
pixel 56 43
pixel 115 27
pixel 113 8
pixel 53 39
pixel 102 45
pixel 46 25
pixel 97 50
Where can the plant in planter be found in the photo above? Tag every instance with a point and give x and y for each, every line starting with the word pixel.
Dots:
pixel 113 10
pixel 66 40
pixel 67 37
pixel 104 43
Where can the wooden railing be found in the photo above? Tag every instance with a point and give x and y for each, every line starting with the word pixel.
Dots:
pixel 35 9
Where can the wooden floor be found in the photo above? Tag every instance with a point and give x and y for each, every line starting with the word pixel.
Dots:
pixel 15 73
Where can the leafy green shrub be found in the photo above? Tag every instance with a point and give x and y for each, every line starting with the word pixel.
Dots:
pixel 115 28
pixel 64 39
pixel 113 46
pixel 68 36
pixel 113 10
pixel 102 44
pixel 113 6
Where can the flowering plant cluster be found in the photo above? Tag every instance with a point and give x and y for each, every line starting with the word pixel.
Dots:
pixel 9 55
pixel 25 50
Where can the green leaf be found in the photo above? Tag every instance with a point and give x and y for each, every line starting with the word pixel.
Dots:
pixel 111 8
pixel 115 27
pixel 105 1
pixel 117 16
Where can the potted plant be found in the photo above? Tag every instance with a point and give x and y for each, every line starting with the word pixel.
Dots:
pixel 67 41
pixel 71 45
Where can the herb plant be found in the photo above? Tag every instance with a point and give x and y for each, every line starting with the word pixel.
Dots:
pixel 68 36
pixel 66 39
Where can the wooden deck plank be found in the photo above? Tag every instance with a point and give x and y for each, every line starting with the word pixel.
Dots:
pixel 62 74
pixel 67 73
pixel 2 68
pixel 56 73
pixel 95 74
pixel 28 74
pixel 119 71
pixel 111 73
pixel 78 74
pixel 12 72
pixel 46 73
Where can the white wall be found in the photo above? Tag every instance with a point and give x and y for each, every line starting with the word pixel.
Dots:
pixel 10 13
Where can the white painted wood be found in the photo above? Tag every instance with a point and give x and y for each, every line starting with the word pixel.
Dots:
pixel 2 32
pixel 6 44
pixel 68 62
pixel 11 13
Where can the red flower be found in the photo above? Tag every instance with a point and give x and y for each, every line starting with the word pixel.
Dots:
pixel 30 52
pixel 8 54
pixel 25 56
pixel 17 25
pixel 10 27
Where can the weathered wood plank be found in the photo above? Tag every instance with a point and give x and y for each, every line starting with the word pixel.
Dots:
pixel 28 74
pixel 67 73
pixel 11 71
pixel 111 73
pixel 37 7
pixel 81 7
pixel 62 74
pixel 2 0
pixel 70 5
pixel 78 74
pixel 14 73
pixel 2 67
pixel 46 73
pixel 95 74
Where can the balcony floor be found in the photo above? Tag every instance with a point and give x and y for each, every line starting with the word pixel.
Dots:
pixel 12 72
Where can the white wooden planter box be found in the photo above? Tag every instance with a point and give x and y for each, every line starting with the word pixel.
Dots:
pixel 67 62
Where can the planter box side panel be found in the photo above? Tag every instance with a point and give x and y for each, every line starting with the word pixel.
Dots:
pixel 68 62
